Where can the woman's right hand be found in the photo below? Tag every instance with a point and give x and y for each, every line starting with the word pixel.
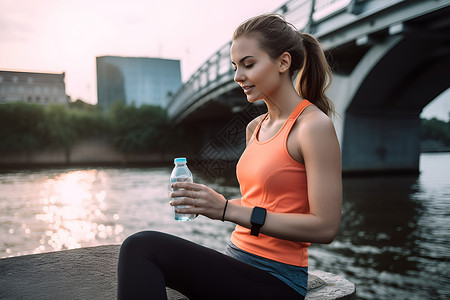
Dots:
pixel 202 199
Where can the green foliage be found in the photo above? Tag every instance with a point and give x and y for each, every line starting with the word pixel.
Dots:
pixel 26 127
pixel 434 129
pixel 81 105
pixel 21 127
pixel 90 123
pixel 58 127
pixel 139 129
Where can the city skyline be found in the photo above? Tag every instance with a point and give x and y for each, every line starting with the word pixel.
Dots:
pixel 67 36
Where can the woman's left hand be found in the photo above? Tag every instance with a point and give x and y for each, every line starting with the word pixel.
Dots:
pixel 202 199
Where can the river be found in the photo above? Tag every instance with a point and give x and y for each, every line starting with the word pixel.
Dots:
pixel 393 243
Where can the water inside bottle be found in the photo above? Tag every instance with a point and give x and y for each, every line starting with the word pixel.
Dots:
pixel 178 216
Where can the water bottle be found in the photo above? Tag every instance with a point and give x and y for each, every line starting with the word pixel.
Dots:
pixel 181 173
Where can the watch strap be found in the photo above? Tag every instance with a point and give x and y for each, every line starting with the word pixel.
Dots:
pixel 255 230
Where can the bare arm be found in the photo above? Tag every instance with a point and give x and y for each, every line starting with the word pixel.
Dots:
pixel 321 152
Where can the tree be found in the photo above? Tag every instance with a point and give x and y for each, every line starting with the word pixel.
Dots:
pixel 434 129
pixel 21 127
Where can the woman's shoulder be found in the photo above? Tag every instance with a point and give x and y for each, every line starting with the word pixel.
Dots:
pixel 314 119
pixel 254 123
pixel 251 126
pixel 316 130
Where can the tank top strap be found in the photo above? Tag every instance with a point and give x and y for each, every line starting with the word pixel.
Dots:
pixel 294 115
pixel 255 132
pixel 299 109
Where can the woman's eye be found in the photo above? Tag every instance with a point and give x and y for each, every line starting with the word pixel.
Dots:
pixel 245 66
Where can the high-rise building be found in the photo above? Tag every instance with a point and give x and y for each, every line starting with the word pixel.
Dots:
pixel 43 88
pixel 136 80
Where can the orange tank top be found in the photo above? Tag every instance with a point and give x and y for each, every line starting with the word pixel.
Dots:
pixel 269 177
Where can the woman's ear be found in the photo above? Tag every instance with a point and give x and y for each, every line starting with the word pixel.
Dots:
pixel 285 62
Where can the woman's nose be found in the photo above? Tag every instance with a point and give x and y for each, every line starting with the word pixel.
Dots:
pixel 238 76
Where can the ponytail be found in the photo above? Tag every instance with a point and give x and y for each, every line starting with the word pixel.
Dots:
pixel 314 78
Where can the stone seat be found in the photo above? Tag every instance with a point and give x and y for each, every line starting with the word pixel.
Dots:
pixel 90 273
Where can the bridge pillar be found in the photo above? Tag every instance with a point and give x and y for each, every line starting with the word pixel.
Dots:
pixel 381 143
pixel 373 138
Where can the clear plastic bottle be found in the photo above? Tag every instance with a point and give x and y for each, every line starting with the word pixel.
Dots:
pixel 181 173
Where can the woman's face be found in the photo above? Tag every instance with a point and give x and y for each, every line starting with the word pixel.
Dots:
pixel 256 72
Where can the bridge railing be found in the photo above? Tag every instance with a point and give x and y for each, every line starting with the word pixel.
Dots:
pixel 218 68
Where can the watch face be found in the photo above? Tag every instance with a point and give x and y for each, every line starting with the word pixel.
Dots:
pixel 258 216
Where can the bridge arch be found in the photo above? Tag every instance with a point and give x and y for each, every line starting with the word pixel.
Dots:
pixel 401 70
pixel 390 58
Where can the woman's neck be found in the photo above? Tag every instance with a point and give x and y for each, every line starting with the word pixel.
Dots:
pixel 281 104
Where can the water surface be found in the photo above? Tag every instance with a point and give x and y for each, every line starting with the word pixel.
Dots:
pixel 393 240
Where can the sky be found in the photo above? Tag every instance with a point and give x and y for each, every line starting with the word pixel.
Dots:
pixel 66 35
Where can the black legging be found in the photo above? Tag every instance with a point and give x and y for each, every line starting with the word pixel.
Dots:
pixel 149 261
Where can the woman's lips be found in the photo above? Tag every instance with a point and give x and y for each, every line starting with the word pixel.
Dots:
pixel 248 88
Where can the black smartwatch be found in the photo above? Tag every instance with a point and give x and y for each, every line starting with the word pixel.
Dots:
pixel 258 218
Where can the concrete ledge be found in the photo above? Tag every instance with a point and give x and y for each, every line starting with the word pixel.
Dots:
pixel 85 152
pixel 90 273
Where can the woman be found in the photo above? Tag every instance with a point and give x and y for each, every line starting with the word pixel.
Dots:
pixel 289 175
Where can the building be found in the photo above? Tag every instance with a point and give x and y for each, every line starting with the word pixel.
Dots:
pixel 136 80
pixel 43 88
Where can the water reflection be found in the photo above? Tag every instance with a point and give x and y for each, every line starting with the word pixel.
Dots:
pixel 72 215
pixel 378 220
pixel 394 236
pixel 393 242
pixel 74 209
pixel 50 209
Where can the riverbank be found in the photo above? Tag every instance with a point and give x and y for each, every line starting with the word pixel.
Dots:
pixel 90 273
pixel 433 146
pixel 99 152
pixel 86 152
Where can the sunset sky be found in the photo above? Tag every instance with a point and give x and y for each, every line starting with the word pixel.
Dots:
pixel 67 35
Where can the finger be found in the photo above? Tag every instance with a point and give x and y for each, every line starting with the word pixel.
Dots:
pixel 181 201
pixel 185 192
pixel 187 185
pixel 184 211
pixel 190 210
pixel 181 194
pixel 185 201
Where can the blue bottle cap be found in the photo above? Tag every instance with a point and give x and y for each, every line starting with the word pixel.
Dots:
pixel 180 160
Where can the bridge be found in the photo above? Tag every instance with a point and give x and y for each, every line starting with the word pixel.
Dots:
pixel 390 58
